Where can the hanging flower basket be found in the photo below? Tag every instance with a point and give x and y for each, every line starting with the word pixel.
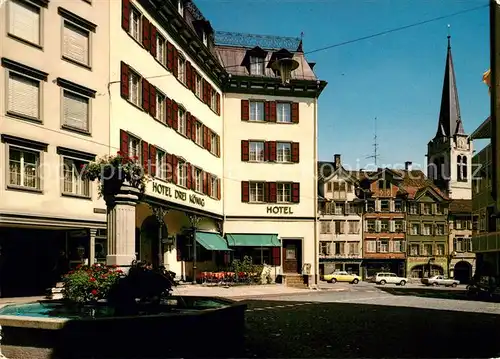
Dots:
pixel 113 172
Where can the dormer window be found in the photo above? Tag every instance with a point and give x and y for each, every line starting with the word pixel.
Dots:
pixel 205 38
pixel 180 7
pixel 256 65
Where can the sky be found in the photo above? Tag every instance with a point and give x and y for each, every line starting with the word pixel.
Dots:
pixel 396 78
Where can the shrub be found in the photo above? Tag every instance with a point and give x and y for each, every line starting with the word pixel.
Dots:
pixel 88 284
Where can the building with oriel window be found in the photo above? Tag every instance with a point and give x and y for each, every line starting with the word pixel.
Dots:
pixel 54 109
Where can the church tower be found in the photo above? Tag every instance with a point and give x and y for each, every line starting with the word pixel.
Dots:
pixel 449 153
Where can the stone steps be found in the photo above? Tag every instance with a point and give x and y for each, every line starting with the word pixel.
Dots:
pixel 295 281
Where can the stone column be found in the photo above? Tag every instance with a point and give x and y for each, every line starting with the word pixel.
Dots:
pixel 121 226
pixel 93 232
pixel 160 212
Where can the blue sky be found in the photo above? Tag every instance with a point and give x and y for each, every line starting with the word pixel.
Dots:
pixel 396 77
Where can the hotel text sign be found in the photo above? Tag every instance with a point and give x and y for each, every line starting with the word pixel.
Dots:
pixel 279 210
pixel 167 191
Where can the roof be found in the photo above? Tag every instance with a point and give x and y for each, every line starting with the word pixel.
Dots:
pixel 326 169
pixel 231 58
pixel 461 206
pixel 450 120
pixel 483 131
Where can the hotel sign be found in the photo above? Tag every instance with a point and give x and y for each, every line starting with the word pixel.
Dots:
pixel 178 194
pixel 279 210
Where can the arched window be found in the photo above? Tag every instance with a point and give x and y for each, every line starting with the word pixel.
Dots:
pixel 461 168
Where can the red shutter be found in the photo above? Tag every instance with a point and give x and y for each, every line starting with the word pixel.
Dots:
pixel 205 183
pixel 175 115
pixel 175 163
pixel 152 100
pixel 146 39
pixel 245 110
pixel 205 136
pixel 152 158
pixel 272 111
pixel 267 109
pixel 209 185
pixel 295 192
pixel 145 94
pixel 266 191
pixel 124 143
pixel 218 188
pixel 295 112
pixel 170 167
pixel 188 125
pixel 168 104
pixel 245 191
pixel 245 155
pixel 272 151
pixel 272 192
pixel 124 80
pixel 145 157
pixel 126 15
pixel 193 79
pixel 179 253
pixel 170 56
pixel 188 75
pixel 209 141
pixel 218 146
pixel 153 40
pixel 218 103
pixel 189 179
pixel 295 152
pixel 175 64
pixel 194 121
pixel 266 151
pixel 276 256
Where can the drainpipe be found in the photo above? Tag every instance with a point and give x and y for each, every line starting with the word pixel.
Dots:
pixel 315 187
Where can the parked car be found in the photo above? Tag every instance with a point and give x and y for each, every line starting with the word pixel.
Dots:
pixel 440 280
pixel 389 278
pixel 342 276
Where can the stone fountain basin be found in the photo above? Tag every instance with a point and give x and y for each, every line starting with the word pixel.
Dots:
pixel 181 328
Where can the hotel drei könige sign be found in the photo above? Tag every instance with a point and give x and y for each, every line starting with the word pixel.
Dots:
pixel 172 193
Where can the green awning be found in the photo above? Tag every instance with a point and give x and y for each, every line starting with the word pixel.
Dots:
pixel 211 241
pixel 252 240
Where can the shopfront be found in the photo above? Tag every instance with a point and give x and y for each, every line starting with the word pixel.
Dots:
pixel 330 265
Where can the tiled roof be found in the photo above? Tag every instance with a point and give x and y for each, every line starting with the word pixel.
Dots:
pixel 461 206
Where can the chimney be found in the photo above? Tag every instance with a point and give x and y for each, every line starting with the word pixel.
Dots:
pixel 336 159
pixel 408 165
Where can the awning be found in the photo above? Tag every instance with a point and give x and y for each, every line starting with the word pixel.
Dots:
pixel 211 241
pixel 252 240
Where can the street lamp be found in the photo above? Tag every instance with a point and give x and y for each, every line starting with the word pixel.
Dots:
pixel 285 67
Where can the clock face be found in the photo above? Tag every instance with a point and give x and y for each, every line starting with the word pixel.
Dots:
pixel 462 143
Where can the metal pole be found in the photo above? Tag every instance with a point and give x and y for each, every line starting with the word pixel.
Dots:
pixel 160 250
pixel 194 254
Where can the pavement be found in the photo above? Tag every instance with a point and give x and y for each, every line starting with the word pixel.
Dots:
pixel 372 321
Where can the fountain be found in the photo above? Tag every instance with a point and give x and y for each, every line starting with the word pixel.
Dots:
pixel 138 318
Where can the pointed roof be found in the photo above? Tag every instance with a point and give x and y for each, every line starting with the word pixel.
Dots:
pixel 450 121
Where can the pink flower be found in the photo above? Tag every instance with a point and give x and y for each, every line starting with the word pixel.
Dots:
pixel 94 292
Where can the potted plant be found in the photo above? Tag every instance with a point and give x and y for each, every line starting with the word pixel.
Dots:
pixel 113 172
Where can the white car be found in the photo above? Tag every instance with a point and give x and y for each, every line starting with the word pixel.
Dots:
pixel 389 278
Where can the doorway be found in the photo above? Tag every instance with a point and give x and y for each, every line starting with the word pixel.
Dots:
pixel 292 256
pixel 463 271
pixel 149 244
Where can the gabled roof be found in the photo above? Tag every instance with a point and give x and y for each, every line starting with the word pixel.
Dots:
pixel 327 170
pixel 416 183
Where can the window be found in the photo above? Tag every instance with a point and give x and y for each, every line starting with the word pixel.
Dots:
pixel 440 249
pixel 382 184
pixel 161 165
pixel 439 229
pixel 73 183
pixel 213 100
pixel 284 192
pixel 353 227
pixel 370 226
pixel 182 173
pixel 399 225
pixel 427 208
pixel 135 24
pixel 197 83
pixel 439 208
pixel 339 248
pixel 256 151
pixel 76 111
pixel 324 248
pixel 383 246
pixel 385 205
pixel 325 227
pixel 24 168
pixel 371 246
pixel 339 227
pixel 353 208
pixel 214 188
pixel 256 65
pixel 427 229
pixel 199 133
pixel 339 208
pixel 414 249
pixel 134 147
pixel 182 121
pixel 283 112
pixel 160 107
pixel 384 225
pixel 214 145
pixel 462 168
pixel 25 21
pixel 398 205
pixel 427 250
pixel 160 49
pixel 24 96
pixel 198 180
pixel 461 244
pixel 398 246
pixel 329 187
pixel 413 208
pixel 284 152
pixel 76 43
pixel 352 249
pixel 181 74
pixel 256 192
pixel 414 228
pixel 134 85
pixel 256 111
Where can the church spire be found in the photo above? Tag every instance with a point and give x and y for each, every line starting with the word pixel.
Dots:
pixel 450 121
